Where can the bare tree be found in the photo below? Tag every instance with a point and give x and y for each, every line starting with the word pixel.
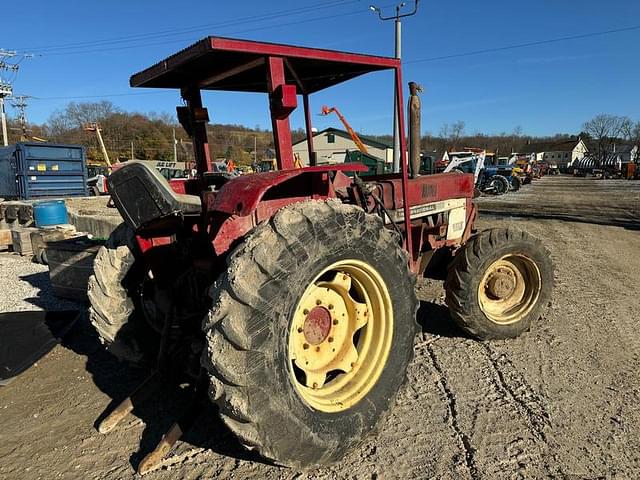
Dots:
pixel 457 129
pixel 78 114
pixel 631 133
pixel 604 129
pixel 444 130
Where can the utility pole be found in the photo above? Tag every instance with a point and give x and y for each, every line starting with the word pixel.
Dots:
pixel 255 150
pixel 398 51
pixel 3 115
pixel 21 105
pixel 175 147
pixel 6 90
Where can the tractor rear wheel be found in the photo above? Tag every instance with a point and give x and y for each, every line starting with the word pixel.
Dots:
pixel 311 332
pixel 114 301
pixel 498 283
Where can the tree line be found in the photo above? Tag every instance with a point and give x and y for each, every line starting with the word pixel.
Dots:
pixel 150 136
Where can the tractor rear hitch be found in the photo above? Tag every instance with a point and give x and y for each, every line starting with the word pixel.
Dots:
pixel 139 394
pixel 182 424
pixel 161 374
pixel 152 460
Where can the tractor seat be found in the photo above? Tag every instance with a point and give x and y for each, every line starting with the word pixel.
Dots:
pixel 145 199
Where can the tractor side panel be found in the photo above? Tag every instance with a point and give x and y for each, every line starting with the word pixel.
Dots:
pixel 425 189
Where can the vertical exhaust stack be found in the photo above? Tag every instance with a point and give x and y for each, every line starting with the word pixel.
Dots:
pixel 414 129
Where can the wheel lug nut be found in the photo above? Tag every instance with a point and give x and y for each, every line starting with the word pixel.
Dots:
pixel 305 346
pixel 330 339
pixel 335 321
pixel 300 330
pixel 318 302
pixel 305 311
pixel 315 385
pixel 317 349
pixel 330 307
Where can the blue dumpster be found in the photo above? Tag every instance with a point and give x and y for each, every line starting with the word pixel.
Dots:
pixel 40 170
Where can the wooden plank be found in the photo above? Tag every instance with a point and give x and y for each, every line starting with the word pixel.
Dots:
pixel 5 238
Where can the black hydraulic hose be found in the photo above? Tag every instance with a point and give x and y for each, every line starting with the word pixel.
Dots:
pixel 368 191
pixel 384 209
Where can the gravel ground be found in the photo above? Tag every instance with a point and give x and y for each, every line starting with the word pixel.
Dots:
pixel 24 285
pixel 562 401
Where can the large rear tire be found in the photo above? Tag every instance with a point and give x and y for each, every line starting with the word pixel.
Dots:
pixel 113 298
pixel 499 282
pixel 311 332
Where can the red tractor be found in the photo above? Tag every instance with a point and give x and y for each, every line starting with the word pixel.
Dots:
pixel 288 296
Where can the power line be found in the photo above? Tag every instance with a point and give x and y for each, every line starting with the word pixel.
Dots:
pixel 528 44
pixel 107 95
pixel 193 39
pixel 429 59
pixel 208 26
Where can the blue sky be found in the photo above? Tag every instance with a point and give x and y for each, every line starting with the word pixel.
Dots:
pixel 543 89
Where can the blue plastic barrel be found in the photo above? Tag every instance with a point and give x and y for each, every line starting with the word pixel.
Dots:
pixel 50 213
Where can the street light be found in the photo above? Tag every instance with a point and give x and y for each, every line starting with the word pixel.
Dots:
pixel 396 17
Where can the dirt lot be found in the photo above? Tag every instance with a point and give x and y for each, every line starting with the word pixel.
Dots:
pixel 562 401
pixel 606 202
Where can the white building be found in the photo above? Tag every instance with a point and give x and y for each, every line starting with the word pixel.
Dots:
pixel 331 145
pixel 562 153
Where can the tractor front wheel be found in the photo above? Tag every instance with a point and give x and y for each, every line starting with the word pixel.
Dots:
pixel 114 296
pixel 311 332
pixel 498 283
pixel 498 185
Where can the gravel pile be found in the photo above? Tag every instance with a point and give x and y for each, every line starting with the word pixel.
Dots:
pixel 25 285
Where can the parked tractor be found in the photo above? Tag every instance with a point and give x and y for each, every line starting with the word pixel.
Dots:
pixel 288 297
pixel 490 180
pixel 508 172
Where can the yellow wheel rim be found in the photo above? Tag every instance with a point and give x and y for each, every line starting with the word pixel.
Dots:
pixel 509 289
pixel 340 336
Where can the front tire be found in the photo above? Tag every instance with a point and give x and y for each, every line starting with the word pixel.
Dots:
pixel 115 310
pixel 500 184
pixel 499 283
pixel 298 287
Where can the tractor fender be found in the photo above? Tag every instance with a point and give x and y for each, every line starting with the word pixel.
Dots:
pixel 242 195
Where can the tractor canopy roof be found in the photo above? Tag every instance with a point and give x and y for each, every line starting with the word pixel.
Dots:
pixel 216 63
